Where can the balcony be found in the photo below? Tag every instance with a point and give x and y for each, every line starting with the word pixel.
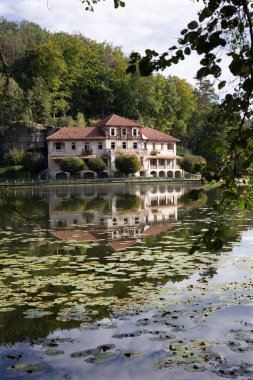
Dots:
pixel 87 152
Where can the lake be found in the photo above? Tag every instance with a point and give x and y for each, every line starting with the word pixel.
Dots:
pixel 100 282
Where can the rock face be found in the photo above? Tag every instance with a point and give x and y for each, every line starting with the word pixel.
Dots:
pixel 25 137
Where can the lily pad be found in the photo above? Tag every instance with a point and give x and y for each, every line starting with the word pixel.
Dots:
pixel 27 367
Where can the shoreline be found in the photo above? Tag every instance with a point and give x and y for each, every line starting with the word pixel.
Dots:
pixel 101 182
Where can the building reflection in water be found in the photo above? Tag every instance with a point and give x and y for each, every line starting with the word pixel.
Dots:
pixel 119 217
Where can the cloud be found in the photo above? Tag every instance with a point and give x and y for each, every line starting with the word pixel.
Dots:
pixel 142 24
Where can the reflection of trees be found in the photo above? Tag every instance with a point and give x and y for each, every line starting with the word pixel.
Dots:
pixel 126 202
pixel 97 204
pixel 72 205
pixel 24 208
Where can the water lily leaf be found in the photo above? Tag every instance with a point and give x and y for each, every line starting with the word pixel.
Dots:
pixel 54 352
pixel 27 367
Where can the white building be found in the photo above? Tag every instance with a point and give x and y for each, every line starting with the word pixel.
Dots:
pixel 110 137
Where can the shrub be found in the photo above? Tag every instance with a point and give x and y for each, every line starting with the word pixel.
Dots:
pixel 127 164
pixel 72 165
pixel 96 164
pixel 192 164
pixel 15 156
pixel 34 162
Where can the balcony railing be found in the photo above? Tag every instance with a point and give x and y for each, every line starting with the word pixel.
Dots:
pixel 87 152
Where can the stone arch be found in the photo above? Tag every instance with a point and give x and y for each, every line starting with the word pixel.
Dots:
pixel 178 174
pixel 89 174
pixel 61 175
pixel 170 174
pixel 162 173
pixel 153 174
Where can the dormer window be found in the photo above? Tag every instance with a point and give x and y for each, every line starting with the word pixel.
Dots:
pixel 112 132
pixel 123 132
pixel 134 131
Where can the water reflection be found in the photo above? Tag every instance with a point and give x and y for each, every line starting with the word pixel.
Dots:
pixel 81 267
pixel 121 217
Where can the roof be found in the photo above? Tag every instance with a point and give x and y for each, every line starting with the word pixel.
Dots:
pixel 116 121
pixel 155 135
pixel 73 235
pixel 77 133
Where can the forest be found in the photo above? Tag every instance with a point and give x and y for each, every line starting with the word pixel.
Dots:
pixel 62 79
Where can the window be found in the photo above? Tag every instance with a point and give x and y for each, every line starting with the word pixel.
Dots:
pixel 124 145
pixel 114 221
pixel 162 146
pixel 125 221
pixel 73 146
pixel 100 145
pixel 136 220
pixel 135 145
pixel 113 145
pixel 86 145
pixel 170 146
pixel 145 145
pixel 123 132
pixel 134 132
pixel 58 146
pixel 112 131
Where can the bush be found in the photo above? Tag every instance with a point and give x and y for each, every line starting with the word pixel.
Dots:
pixel 96 164
pixel 72 165
pixel 127 164
pixel 192 164
pixel 15 156
pixel 34 162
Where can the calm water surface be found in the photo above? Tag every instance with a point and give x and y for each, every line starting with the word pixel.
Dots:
pixel 98 283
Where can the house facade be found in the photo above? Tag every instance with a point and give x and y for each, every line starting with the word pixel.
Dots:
pixel 111 137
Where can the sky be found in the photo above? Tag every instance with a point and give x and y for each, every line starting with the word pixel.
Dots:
pixel 142 24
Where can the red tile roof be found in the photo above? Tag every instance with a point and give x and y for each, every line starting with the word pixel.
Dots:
pixel 155 135
pixel 117 121
pixel 73 235
pixel 77 133
pixel 95 132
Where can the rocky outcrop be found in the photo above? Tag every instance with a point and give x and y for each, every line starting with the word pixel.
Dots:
pixel 22 136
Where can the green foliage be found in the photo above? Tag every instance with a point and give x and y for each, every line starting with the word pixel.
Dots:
pixel 72 165
pixel 34 162
pixel 127 164
pixel 67 121
pixel 12 172
pixel 126 202
pixel 96 164
pixel 15 156
pixel 182 151
pixel 80 122
pixel 192 164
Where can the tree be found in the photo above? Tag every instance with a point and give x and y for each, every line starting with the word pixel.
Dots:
pixel 72 165
pixel 127 164
pixel 96 164
pixel 192 164
pixel 34 162
pixel 224 29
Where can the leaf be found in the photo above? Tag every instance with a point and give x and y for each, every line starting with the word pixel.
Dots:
pixel 221 84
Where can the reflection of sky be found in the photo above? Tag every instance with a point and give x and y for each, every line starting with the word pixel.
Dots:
pixel 245 247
